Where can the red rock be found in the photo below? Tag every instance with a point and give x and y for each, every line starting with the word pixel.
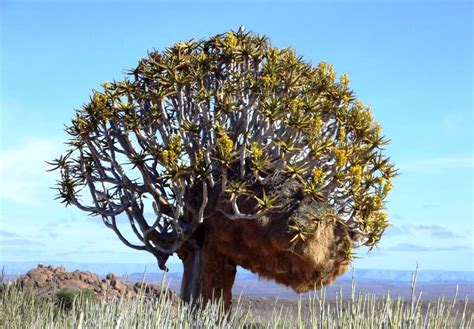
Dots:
pixel 46 280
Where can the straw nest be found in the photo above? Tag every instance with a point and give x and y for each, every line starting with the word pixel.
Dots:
pixel 271 247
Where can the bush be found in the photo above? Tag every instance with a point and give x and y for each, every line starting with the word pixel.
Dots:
pixel 65 298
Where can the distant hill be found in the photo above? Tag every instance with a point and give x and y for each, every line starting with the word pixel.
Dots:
pixel 406 276
pixel 432 276
pixel 433 283
pixel 249 284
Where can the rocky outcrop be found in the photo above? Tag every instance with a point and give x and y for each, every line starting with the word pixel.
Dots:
pixel 47 280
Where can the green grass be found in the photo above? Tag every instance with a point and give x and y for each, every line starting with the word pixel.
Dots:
pixel 19 309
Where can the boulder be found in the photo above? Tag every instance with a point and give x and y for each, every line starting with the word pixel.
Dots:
pixel 47 280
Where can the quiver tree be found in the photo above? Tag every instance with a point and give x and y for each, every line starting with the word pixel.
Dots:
pixel 228 152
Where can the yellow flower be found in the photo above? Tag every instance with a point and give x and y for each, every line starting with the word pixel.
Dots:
pixel 327 70
pixel 377 202
pixel 256 151
pixel 297 103
pixel 273 54
pixel 367 114
pixel 346 99
pixel 231 39
pixel 170 159
pixel 376 220
pixel 341 157
pixel 317 124
pixel 175 143
pixel 342 135
pixel 171 154
pixel 345 79
pixel 377 129
pixel 199 157
pixel 318 175
pixel 268 81
pixel 356 175
pixel 387 187
pixel 99 100
pixel 225 144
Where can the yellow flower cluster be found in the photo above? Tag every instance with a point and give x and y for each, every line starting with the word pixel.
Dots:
pixel 318 175
pixel 256 151
pixel 327 70
pixel 199 157
pixel 175 143
pixel 297 103
pixel 225 144
pixel 377 220
pixel 341 157
pixel 171 154
pixel 360 105
pixel 387 187
pixel 377 129
pixel 317 123
pixel 273 53
pixel 376 202
pixel 323 66
pixel 99 100
pixel 170 158
pixel 345 79
pixel 356 175
pixel 269 80
pixel 342 135
pixel 231 39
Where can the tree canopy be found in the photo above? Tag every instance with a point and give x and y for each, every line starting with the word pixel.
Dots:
pixel 214 126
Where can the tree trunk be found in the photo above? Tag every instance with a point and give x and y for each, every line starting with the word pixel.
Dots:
pixel 208 274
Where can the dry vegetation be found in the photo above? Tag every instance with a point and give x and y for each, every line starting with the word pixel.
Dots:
pixel 19 309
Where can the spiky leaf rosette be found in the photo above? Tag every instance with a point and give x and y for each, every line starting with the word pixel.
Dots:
pixel 207 127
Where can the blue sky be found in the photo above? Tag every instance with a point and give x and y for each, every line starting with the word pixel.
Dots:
pixel 412 61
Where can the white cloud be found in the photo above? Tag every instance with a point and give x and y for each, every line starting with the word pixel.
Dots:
pixel 410 247
pixel 23 175
pixel 438 164
pixel 433 231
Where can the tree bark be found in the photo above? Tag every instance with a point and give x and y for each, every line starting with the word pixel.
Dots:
pixel 208 274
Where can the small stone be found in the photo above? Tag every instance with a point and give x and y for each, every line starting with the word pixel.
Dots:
pixel 118 286
pixel 112 276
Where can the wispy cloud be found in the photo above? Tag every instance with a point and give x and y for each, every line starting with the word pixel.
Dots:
pixel 437 231
pixel 398 230
pixel 10 239
pixel 434 231
pixel 23 171
pixel 438 164
pixel 20 242
pixel 6 234
pixel 409 247
pixel 397 216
